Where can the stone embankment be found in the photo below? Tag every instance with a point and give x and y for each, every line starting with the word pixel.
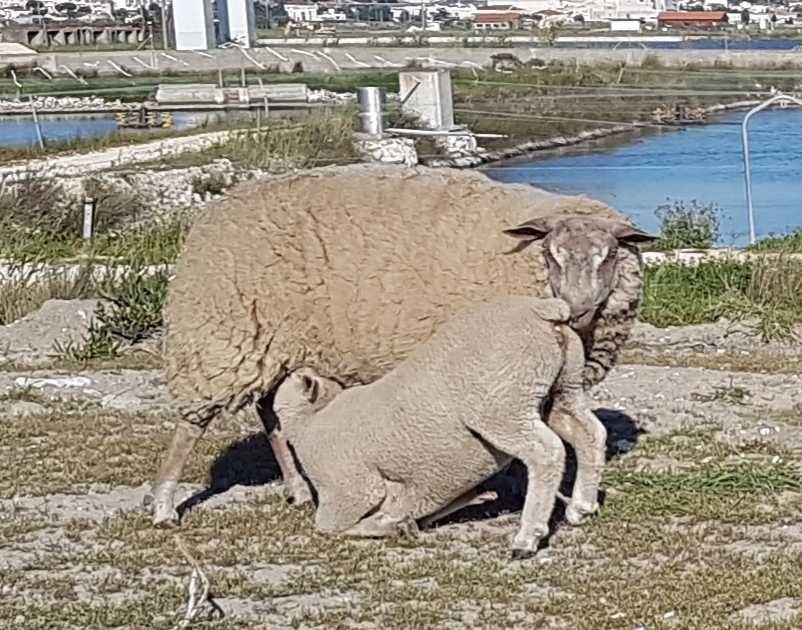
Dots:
pixel 63 105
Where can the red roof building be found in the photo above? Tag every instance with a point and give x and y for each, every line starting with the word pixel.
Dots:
pixel 692 18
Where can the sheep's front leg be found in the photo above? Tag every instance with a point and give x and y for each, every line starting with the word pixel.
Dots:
pixel 295 485
pixel 542 452
pixel 162 496
pixel 573 421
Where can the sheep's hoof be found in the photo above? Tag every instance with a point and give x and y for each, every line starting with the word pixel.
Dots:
pixel 525 545
pixel 165 518
pixel 580 514
pixel 518 555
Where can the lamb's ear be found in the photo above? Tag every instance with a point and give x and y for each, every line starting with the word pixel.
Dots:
pixel 311 387
pixel 528 232
pixel 631 235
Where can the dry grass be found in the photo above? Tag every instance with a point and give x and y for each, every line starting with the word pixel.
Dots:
pixel 696 542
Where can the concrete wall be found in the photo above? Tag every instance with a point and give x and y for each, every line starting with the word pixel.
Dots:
pixel 333 60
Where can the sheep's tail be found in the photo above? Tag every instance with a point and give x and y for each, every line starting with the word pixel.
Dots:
pixel 615 322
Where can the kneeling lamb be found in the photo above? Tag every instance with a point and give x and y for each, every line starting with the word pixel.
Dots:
pixel 416 442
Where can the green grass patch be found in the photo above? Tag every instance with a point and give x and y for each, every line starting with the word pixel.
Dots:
pixel 767 293
pixel 709 491
pixel 789 243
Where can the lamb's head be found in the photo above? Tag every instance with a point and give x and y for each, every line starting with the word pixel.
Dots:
pixel 581 255
pixel 301 394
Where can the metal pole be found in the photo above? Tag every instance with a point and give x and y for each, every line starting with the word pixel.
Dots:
pixel 36 125
pixel 745 140
pixel 89 219
pixel 164 25
pixel 371 110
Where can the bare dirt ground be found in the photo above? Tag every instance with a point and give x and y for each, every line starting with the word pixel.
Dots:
pixel 700 527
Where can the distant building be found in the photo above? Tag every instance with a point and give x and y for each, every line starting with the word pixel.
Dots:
pixel 525 6
pixel 237 21
pixel 193 25
pixel 496 21
pixel 698 19
pixel 301 11
pixel 625 25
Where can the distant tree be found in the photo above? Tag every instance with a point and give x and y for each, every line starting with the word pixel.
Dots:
pixel 745 16
pixel 68 8
pixel 36 7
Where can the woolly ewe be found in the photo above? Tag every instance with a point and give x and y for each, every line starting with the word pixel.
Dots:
pixel 347 269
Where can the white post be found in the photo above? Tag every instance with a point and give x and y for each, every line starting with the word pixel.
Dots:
pixel 782 98
pixel 89 219
pixel 36 125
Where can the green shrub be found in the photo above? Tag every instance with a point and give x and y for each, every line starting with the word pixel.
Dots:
pixel 690 226
pixel 132 313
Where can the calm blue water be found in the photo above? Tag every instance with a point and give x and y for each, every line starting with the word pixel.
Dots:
pixel 19 131
pixel 702 163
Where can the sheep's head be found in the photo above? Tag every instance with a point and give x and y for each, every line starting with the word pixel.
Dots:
pixel 581 256
pixel 301 394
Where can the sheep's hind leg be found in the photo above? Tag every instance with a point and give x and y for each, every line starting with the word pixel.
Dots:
pixel 542 452
pixel 162 496
pixel 573 421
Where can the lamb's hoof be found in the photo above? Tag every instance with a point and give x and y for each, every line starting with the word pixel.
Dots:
pixel 408 528
pixel 298 496
pixel 579 514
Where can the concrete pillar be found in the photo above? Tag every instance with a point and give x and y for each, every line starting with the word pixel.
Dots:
pixel 237 21
pixel 193 25
pixel 428 95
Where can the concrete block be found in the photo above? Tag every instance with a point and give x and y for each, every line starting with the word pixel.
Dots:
pixel 430 97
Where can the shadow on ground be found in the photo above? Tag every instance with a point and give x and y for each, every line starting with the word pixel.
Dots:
pixel 246 462
pixel 250 462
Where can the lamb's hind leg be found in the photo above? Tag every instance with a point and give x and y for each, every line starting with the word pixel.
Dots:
pixel 391 517
pixel 573 421
pixel 162 496
pixel 542 452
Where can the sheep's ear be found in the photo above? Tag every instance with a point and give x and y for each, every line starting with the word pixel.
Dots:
pixel 528 233
pixel 532 230
pixel 311 388
pixel 631 235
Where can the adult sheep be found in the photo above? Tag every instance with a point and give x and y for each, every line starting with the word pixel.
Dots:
pixel 346 269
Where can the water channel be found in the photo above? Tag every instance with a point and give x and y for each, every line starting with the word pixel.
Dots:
pixel 701 163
